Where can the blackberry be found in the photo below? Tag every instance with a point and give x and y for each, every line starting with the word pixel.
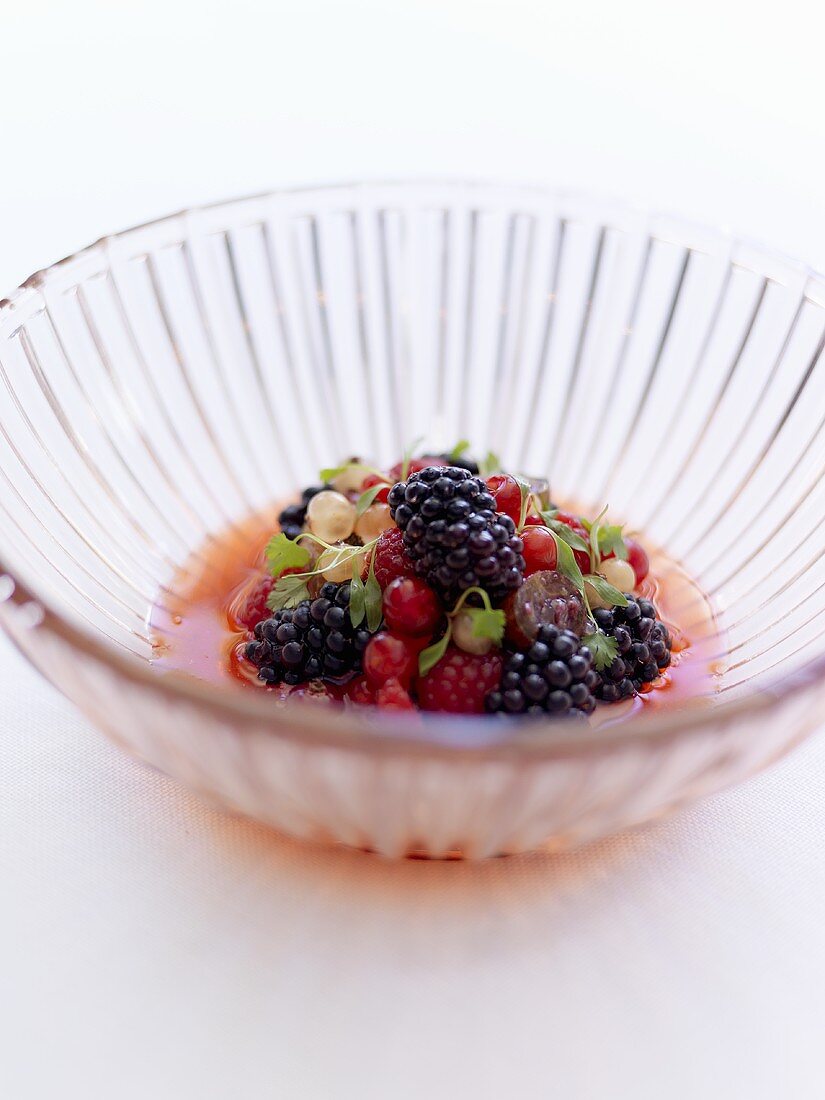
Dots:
pixel 644 648
pixel 293 517
pixel 554 676
pixel 461 461
pixel 314 640
pixel 453 535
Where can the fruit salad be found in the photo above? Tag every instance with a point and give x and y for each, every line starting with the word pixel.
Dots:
pixel 438 585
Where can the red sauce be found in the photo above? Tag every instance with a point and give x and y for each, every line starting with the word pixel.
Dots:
pixel 196 634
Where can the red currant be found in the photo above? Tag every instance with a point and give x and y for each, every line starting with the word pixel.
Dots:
pixel 382 494
pixel 638 559
pixel 507 495
pixel 411 606
pixel 389 657
pixel 539 550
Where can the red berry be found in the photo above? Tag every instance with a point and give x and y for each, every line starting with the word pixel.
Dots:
pixel 388 657
pixel 248 606
pixel 382 494
pixel 459 682
pixel 415 464
pixel 359 691
pixel 638 559
pixel 507 495
pixel 394 696
pixel 391 558
pixel 534 519
pixel 539 550
pixel 411 606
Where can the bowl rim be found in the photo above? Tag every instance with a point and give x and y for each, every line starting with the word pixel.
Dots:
pixel 467 736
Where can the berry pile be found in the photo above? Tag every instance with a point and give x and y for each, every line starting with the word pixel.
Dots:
pixel 434 587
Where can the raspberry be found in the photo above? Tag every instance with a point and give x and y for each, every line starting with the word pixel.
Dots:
pixel 506 494
pixel 391 559
pixel 360 692
pixel 388 657
pixel 411 606
pixel 248 606
pixel 394 696
pixel 554 676
pixel 453 534
pixel 460 682
pixel 539 550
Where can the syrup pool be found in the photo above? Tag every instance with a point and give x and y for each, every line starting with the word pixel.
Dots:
pixel 194 631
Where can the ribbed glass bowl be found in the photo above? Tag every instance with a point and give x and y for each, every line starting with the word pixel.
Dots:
pixel 168 381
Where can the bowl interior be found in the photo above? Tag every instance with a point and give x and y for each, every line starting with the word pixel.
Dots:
pixel 165 383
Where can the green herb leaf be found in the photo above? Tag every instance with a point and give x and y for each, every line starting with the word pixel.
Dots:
pixel 373 598
pixel 605 649
pixel 430 656
pixel 566 563
pixel 491 464
pixel 595 556
pixel 408 454
pixel 367 498
pixel 288 592
pixel 526 492
pixel 605 590
pixel 611 541
pixel 330 473
pixel 459 449
pixel 282 553
pixel 357 597
pixel 567 534
pixel 488 623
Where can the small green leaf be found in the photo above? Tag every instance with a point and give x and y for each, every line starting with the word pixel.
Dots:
pixel 459 449
pixel 367 498
pixel 288 592
pixel 605 590
pixel 567 534
pixel 491 464
pixel 595 556
pixel 604 647
pixel 526 492
pixel 566 563
pixel 282 553
pixel 357 596
pixel 488 623
pixel 611 541
pixel 331 472
pixel 430 656
pixel 408 454
pixel 373 598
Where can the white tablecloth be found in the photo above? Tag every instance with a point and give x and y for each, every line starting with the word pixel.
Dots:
pixel 152 947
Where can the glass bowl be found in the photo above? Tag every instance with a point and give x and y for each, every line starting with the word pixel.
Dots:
pixel 162 384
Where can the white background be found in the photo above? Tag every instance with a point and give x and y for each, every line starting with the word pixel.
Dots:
pixel 151 947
